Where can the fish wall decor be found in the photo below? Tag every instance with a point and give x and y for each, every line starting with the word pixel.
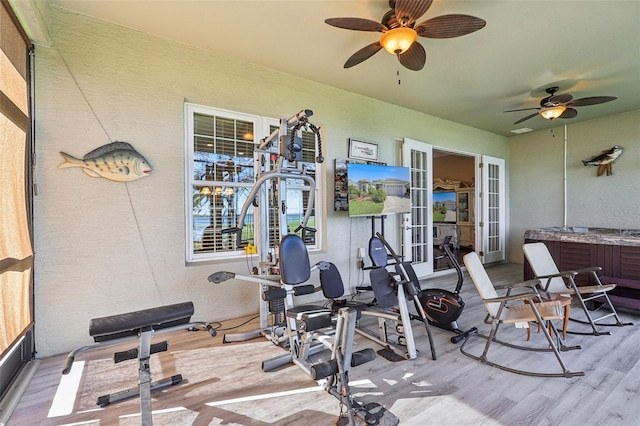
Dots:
pixel 604 160
pixel 117 161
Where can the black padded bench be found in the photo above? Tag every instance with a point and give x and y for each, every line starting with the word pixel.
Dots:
pixel 141 325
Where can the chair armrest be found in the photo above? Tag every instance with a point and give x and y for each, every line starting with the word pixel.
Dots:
pixel 529 283
pixel 520 296
pixel 559 274
pixel 557 293
pixel 589 269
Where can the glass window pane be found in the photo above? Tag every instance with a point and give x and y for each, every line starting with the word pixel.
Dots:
pixel 223 174
pixel 203 125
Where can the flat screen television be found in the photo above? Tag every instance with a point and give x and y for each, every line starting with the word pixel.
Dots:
pixel 444 207
pixel 378 190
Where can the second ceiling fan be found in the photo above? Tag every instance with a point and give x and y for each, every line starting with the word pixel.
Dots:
pixel 562 105
pixel 400 31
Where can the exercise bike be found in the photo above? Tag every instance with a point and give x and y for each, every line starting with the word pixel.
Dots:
pixel 443 307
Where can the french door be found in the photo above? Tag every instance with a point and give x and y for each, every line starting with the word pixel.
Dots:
pixel 492 209
pixel 418 225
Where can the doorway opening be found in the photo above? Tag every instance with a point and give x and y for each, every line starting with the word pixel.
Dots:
pixel 454 205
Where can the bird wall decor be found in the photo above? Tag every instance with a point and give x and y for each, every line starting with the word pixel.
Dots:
pixel 604 160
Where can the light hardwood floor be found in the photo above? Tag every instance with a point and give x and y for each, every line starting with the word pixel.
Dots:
pixel 224 383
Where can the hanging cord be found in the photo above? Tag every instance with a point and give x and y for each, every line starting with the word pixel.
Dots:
pixel 133 211
pixel 216 326
pixel 316 131
pixel 144 247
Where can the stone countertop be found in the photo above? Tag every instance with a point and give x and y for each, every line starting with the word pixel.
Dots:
pixel 608 236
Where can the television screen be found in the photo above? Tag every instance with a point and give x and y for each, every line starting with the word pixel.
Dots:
pixel 378 190
pixel 444 207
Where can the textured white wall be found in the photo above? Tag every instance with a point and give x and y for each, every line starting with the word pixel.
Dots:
pixel 537 178
pixel 104 248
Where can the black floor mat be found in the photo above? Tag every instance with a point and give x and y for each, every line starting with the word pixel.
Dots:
pixel 390 355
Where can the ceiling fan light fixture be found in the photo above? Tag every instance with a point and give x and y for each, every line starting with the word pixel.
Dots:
pixel 552 112
pixel 398 40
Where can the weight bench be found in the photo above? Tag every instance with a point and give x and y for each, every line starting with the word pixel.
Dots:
pixel 141 325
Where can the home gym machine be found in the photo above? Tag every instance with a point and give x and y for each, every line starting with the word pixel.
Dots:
pixel 287 139
pixel 309 331
pixel 142 326
pixel 443 307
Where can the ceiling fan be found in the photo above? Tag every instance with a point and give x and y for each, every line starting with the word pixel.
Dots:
pixel 399 31
pixel 562 105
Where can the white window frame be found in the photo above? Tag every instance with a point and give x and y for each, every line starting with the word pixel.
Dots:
pixel 261 130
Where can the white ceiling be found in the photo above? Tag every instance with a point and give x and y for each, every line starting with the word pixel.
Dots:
pixel 586 47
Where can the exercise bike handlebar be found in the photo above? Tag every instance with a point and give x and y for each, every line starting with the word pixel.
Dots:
pixel 454 262
pixel 399 266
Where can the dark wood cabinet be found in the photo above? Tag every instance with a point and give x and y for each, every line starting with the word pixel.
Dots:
pixel 620 263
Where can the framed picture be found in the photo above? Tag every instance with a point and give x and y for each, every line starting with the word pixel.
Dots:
pixel 363 150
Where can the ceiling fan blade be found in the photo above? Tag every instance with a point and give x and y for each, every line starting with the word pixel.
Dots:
pixel 593 100
pixel 521 109
pixel 358 24
pixel 363 54
pixel 449 26
pixel 559 99
pixel 414 58
pixel 408 11
pixel 569 113
pixel 526 118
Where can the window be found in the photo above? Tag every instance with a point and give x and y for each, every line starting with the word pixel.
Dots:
pixel 220 177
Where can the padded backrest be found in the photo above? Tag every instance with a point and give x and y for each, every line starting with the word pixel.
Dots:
pixel 331 282
pixel 542 264
pixel 294 260
pixel 382 285
pixel 482 281
pixel 377 252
